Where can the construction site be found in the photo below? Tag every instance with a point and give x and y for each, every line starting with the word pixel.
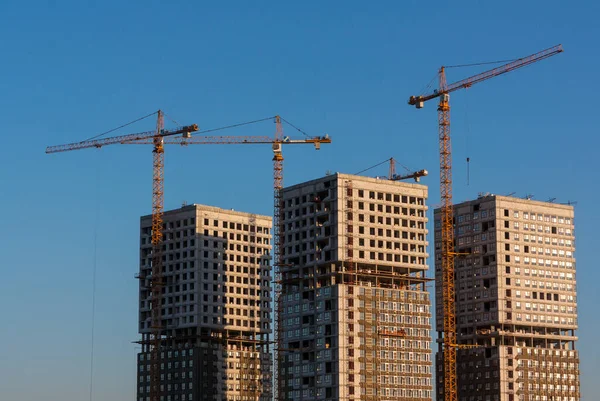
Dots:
pixel 330 297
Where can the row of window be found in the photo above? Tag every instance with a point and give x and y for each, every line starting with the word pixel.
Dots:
pixel 391 294
pixel 478 317
pixel 488 260
pixel 480 387
pixel 534 295
pixel 542 375
pixel 545 307
pixel 494 397
pixel 167 257
pixel 168 267
pixel 491 236
pixel 236 247
pixel 174 397
pixel 547 240
pixel 389 221
pixel 400 306
pixel 176 321
pixel 171 225
pixel 237 236
pixel 516 214
pixel 484 214
pixel 542 318
pixel 478 375
pixel 540 228
pixel 549 352
pixel 541 251
pixel 221 268
pixel 169 365
pixel 169 354
pixel 473 273
pixel 170 387
pixel 399 355
pixel 544 262
pixel 478 306
pixel 470 295
pixel 539 217
pixel 238 226
pixel 467 239
pixel 535 387
pixel 402 380
pixel 412 200
pixel 539 284
pixel 546 364
pixel 478 227
pixel 484 237
pixel 393 392
pixel 217 320
pixel 224 256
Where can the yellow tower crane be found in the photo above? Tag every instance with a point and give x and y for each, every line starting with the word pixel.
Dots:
pixel 447 227
pixel 415 175
pixel 183 136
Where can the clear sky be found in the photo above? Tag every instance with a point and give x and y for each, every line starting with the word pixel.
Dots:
pixel 71 70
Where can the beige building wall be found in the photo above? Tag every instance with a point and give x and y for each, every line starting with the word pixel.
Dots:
pixel 356 313
pixel 516 297
pixel 216 304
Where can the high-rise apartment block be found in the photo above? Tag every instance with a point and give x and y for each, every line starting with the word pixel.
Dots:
pixel 216 307
pixel 516 298
pixel 355 311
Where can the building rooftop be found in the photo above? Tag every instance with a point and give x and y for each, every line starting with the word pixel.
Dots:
pixel 373 180
pixel 514 199
pixel 196 206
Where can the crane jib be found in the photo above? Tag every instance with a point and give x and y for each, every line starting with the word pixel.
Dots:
pixel 494 72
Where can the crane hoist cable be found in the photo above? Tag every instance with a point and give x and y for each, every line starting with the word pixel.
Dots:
pixel 293 126
pixel 372 167
pixel 121 126
pixel 482 63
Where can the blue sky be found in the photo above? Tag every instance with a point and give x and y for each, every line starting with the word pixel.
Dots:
pixel 71 70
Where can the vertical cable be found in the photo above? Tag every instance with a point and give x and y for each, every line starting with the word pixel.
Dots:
pixel 94 268
pixel 93 312
pixel 468 132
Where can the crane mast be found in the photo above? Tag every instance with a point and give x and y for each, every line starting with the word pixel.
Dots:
pixel 448 297
pixel 278 240
pixel 156 281
pixel 449 340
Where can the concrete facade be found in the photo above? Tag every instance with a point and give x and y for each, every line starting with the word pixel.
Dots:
pixel 216 305
pixel 355 321
pixel 516 297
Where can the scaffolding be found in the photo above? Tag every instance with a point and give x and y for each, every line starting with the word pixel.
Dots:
pixel 246 367
pixel 346 365
pixel 394 349
pixel 370 336
pixel 547 374
pixel 250 373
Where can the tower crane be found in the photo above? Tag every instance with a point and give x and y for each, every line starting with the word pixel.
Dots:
pixel 415 175
pixel 447 227
pixel 183 136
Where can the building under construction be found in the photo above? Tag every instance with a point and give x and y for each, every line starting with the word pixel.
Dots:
pixel 216 309
pixel 516 300
pixel 354 321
